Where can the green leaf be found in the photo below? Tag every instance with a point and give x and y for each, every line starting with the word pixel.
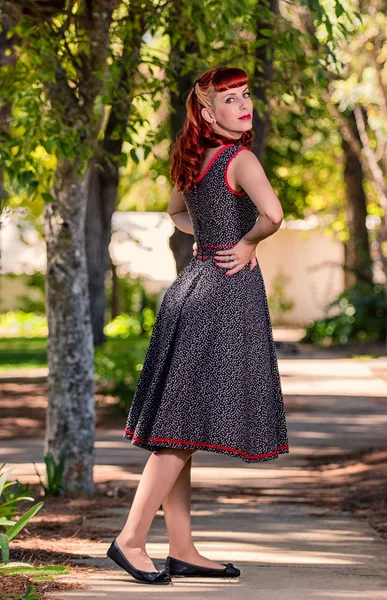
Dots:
pixel 47 197
pixel 3 478
pixel 4 547
pixel 6 522
pixel 267 32
pixel 339 9
pixel 31 570
pixel 11 533
pixel 358 15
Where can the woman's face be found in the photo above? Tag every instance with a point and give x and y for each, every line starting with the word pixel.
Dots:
pixel 229 107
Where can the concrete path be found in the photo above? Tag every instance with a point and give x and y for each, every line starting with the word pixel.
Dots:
pixel 285 548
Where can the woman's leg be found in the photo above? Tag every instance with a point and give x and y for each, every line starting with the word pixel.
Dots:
pixel 157 480
pixel 177 514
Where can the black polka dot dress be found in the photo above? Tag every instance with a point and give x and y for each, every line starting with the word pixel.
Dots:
pixel 210 377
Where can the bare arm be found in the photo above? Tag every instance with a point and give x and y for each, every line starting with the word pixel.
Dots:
pixel 177 210
pixel 248 173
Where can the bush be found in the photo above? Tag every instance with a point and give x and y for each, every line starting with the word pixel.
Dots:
pixel 117 366
pixel 360 314
pixel 22 324
pixel 36 304
pixel 6 510
pixel 133 297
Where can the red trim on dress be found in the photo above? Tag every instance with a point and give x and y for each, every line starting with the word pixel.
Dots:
pixel 215 446
pixel 200 177
pixel 225 173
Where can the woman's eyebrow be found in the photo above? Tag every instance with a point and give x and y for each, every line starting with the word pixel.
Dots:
pixel 234 93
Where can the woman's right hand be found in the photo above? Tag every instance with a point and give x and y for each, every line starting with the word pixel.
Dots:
pixel 195 248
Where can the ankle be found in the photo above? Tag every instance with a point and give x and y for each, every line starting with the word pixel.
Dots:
pixel 182 552
pixel 125 541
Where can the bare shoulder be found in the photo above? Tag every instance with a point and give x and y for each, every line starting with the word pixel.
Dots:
pixel 243 164
pixel 244 157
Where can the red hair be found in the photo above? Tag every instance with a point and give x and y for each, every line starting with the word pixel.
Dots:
pixel 197 134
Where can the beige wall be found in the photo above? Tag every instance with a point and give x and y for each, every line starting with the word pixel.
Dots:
pixel 300 263
pixel 309 264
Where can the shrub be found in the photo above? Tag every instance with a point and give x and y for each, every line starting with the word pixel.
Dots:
pixel 12 527
pixel 359 314
pixel 117 366
pixel 22 324
pixel 54 475
pixel 133 297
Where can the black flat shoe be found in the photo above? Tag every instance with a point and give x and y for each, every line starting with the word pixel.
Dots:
pixel 179 568
pixel 156 577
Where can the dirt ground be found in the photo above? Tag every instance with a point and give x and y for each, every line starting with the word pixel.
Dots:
pixel 23 410
pixel 354 483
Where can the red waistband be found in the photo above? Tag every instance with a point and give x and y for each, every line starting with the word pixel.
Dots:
pixel 212 248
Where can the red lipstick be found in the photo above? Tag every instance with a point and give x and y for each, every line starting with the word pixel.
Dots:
pixel 245 117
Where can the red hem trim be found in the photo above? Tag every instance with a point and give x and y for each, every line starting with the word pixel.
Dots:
pixel 200 177
pixel 225 173
pixel 215 446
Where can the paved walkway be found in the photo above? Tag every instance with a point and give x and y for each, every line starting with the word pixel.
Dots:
pixel 286 549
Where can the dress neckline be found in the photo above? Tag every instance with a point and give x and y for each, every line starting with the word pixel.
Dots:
pixel 220 151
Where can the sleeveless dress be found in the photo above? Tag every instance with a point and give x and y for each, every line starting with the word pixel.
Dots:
pixel 210 378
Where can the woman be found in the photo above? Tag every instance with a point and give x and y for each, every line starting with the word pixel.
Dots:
pixel 210 377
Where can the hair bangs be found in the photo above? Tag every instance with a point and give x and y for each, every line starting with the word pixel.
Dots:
pixel 228 78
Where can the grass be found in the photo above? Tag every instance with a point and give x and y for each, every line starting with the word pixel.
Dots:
pixel 31 353
pixel 22 353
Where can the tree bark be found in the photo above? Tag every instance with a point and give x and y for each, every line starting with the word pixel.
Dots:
pixel 116 302
pixel 263 73
pixel 180 242
pixel 102 199
pixel 104 176
pixel 70 413
pixel 358 262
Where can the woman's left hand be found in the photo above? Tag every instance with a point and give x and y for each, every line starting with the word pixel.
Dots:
pixel 243 252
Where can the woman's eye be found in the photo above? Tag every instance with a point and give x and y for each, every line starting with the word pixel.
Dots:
pixel 246 93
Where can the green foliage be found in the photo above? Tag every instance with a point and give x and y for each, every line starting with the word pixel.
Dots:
pixel 35 282
pixel 54 474
pixel 135 302
pixel 277 300
pixel 12 527
pixel 22 324
pixel 45 572
pixel 22 353
pixel 118 367
pixel 11 493
pixel 125 326
pixel 30 594
pixel 360 314
pixel 303 162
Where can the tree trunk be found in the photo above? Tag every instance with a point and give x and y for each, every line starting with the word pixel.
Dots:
pixel 105 173
pixel 180 242
pixel 181 245
pixel 263 73
pixel 358 262
pixel 70 412
pixel 102 198
pixel 116 303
